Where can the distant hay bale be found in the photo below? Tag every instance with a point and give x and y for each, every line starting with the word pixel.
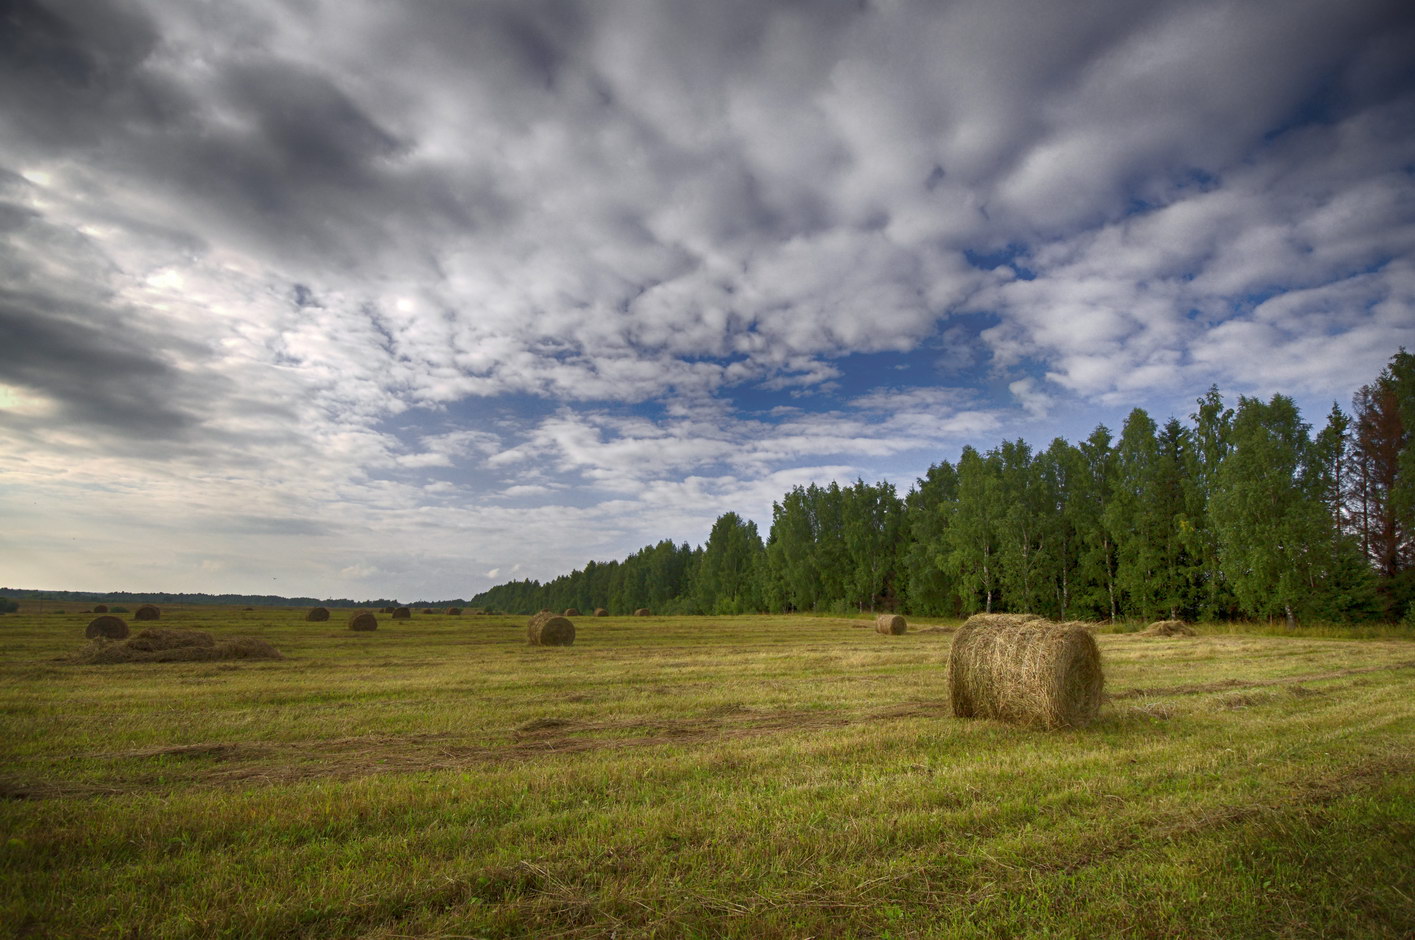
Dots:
pixel 363 620
pixel 572 612
pixel 147 612
pixel 1031 671
pixel 317 614
pixel 1169 628
pixel 100 608
pixel 402 613
pixel 891 625
pixel 545 610
pixel 427 610
pixel 454 611
pixel 601 612
pixel 642 612
pixel 108 627
pixel 248 608
pixel 546 629
pixel 385 610
pixel 174 646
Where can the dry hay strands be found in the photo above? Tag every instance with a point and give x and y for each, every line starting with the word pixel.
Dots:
pixel 454 611
pixel 100 608
pixel 549 630
pixel 147 612
pixel 363 620
pixel 891 625
pixel 107 626
pixel 317 614
pixel 642 612
pixel 572 612
pixel 601 612
pixel 1031 671
pixel 175 646
pixel 402 613
pixel 1169 628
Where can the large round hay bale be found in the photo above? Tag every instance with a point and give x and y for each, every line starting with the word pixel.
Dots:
pixel 549 630
pixel 454 611
pixel 363 620
pixel 891 625
pixel 107 626
pixel 601 612
pixel 1032 671
pixel 100 608
pixel 317 614
pixel 402 613
pixel 572 612
pixel 1169 628
pixel 147 612
pixel 642 612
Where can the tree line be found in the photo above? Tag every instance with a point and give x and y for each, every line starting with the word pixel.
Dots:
pixel 1242 511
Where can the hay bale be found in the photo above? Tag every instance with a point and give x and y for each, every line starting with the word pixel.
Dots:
pixel 402 613
pixel 363 620
pixel 891 625
pixel 427 610
pixel 100 608
pixel 1169 628
pixel 642 612
pixel 317 614
pixel 572 612
pixel 1031 671
pixel 248 608
pixel 454 611
pixel 385 610
pixel 549 630
pixel 601 612
pixel 147 612
pixel 109 627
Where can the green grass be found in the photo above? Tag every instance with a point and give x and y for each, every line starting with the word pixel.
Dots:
pixel 695 777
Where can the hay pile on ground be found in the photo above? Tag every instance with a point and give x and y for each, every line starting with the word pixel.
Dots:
pixel 147 612
pixel 572 612
pixel 100 608
pixel 601 612
pixel 1169 628
pixel 642 612
pixel 113 628
pixel 402 613
pixel 175 646
pixel 363 620
pixel 549 630
pixel 454 611
pixel 317 614
pixel 891 625
pixel 1031 671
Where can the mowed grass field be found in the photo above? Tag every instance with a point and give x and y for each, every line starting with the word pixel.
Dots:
pixel 695 777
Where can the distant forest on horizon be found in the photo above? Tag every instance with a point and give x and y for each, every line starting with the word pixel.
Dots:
pixel 1242 512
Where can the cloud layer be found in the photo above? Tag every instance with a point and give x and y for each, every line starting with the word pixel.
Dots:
pixel 388 297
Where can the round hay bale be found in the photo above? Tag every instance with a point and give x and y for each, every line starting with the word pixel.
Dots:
pixel 454 611
pixel 891 625
pixel 317 614
pixel 385 610
pixel 572 611
pixel 1169 628
pixel 549 630
pixel 100 608
pixel 427 610
pixel 248 608
pixel 109 627
pixel 642 612
pixel 402 613
pixel 601 612
pixel 1033 672
pixel 147 612
pixel 363 620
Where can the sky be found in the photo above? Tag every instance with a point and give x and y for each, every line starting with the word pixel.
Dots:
pixel 367 299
